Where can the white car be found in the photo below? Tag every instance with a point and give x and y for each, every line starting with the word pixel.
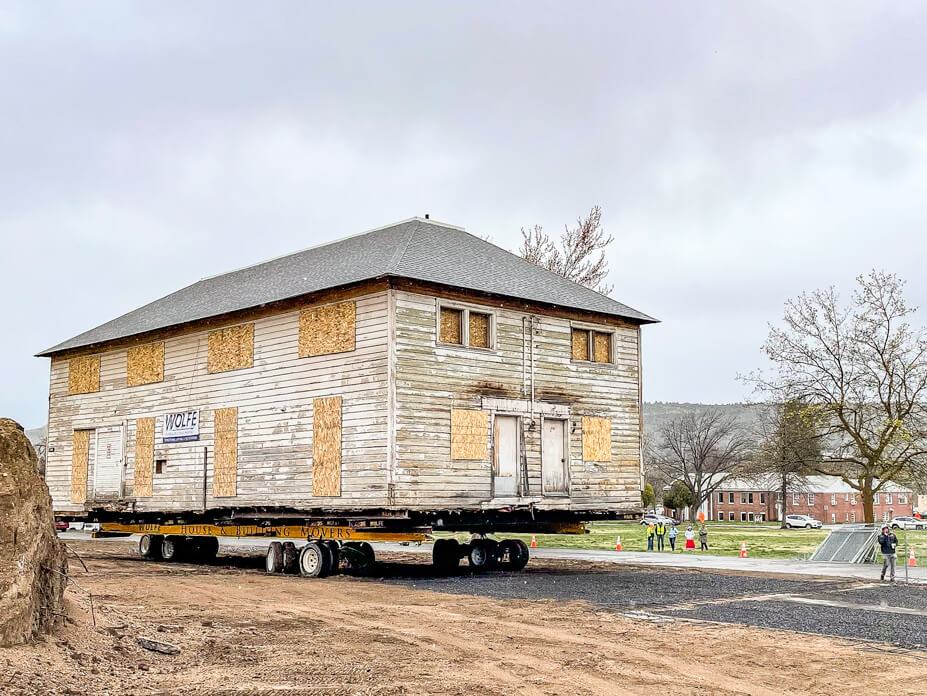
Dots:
pixel 908 523
pixel 805 521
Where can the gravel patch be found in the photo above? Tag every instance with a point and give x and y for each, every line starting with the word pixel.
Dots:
pixel 897 595
pixel 903 630
pixel 636 588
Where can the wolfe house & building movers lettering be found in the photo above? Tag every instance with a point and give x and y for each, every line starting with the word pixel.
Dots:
pixel 182 426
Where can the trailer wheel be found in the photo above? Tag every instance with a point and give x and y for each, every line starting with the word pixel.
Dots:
pixel 523 556
pixel 273 561
pixel 314 560
pixel 360 554
pixel 446 555
pixel 173 547
pixel 367 550
pixel 290 558
pixel 149 546
pixel 509 554
pixel 334 551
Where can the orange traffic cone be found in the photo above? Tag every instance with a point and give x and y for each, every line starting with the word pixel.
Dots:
pixel 534 542
pixel 912 561
pixel 618 544
pixel 743 549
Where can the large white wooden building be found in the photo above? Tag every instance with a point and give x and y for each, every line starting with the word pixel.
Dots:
pixel 414 371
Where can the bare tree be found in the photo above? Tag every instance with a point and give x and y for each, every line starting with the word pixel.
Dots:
pixel 575 258
pixel 789 450
pixel 701 450
pixel 863 367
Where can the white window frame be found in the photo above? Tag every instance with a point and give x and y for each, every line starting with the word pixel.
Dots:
pixel 590 342
pixel 902 499
pixel 811 499
pixel 833 518
pixel 721 516
pixel 853 517
pixel 833 498
pixel 888 498
pixel 875 498
pixel 721 498
pixel 730 516
pixel 465 310
pixel 853 499
pixel 796 498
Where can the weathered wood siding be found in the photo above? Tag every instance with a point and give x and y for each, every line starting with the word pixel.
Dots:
pixel 274 399
pixel 434 379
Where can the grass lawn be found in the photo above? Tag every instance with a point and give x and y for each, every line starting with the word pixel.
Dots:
pixel 724 538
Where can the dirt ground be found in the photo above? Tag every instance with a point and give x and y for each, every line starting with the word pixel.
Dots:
pixel 242 632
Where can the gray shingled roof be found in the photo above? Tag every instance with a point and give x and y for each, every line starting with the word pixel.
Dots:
pixel 417 249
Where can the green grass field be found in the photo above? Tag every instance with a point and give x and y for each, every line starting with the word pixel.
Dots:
pixel 763 540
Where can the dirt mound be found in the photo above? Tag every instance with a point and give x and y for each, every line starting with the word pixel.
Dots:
pixel 32 560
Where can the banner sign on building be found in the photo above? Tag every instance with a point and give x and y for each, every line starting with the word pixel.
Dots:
pixel 183 426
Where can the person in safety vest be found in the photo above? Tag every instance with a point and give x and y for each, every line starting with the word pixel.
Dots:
pixel 660 531
pixel 650 537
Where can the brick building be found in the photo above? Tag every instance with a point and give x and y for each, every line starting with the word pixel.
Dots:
pixel 825 498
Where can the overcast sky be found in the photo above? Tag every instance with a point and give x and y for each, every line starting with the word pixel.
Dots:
pixel 741 152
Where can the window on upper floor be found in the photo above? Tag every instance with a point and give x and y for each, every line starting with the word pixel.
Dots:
pixel 590 345
pixel 811 499
pixel 833 498
pixel 750 498
pixel 762 498
pixel 875 498
pixel 730 498
pixel 796 497
pixel 462 326
pixel 902 499
pixel 888 498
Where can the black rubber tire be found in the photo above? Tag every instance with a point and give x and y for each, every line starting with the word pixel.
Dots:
pixel 174 548
pixel 367 550
pixel 480 556
pixel 315 560
pixel 523 557
pixel 273 560
pixel 335 550
pixel 149 546
pixel 290 558
pixel 807 526
pixel 445 555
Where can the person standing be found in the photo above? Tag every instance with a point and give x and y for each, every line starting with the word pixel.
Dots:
pixel 703 537
pixel 650 537
pixel 660 531
pixel 690 539
pixel 672 534
pixel 888 543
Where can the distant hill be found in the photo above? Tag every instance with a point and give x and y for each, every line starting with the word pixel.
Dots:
pixel 658 413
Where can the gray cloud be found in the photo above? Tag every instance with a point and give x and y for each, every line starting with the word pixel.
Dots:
pixel 741 153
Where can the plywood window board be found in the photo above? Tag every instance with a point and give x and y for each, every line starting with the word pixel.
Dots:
pixel 451 330
pixel 145 364
pixel 326 330
pixel 602 348
pixel 597 439
pixel 326 446
pixel 479 330
pixel 231 348
pixel 144 457
pixel 580 344
pixel 84 374
pixel 80 455
pixel 469 434
pixel 225 469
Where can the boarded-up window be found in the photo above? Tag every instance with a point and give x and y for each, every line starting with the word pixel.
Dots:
pixel 79 457
pixel 602 351
pixel 145 364
pixel 580 344
pixel 450 326
pixel 144 456
pixel 326 446
pixel 231 348
pixel 225 472
pixel 479 330
pixel 328 329
pixel 597 439
pixel 469 434
pixel 84 375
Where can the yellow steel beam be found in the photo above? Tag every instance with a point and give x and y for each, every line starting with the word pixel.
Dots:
pixel 280 532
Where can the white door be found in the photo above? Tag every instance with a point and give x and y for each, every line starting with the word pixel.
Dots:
pixel 505 457
pixel 107 466
pixel 553 456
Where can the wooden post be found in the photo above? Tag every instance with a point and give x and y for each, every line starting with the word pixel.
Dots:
pixel 205 460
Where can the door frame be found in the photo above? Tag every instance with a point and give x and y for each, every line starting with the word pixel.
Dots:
pixel 121 427
pixel 566 456
pixel 520 452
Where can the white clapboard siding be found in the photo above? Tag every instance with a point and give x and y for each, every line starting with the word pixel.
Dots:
pixel 432 379
pixel 274 400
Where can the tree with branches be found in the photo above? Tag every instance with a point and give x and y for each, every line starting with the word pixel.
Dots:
pixel 864 369
pixel 789 450
pixel 580 255
pixel 701 449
